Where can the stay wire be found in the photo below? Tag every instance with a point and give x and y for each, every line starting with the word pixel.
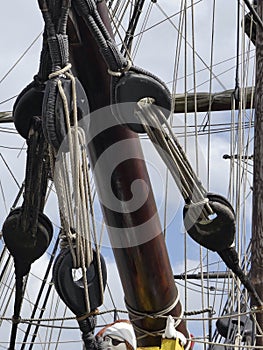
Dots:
pixel 138 8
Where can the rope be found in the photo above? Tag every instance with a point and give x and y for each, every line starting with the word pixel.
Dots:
pixel 174 157
pixel 157 314
pixel 120 72
pixel 59 319
pixel 60 71
pixel 74 213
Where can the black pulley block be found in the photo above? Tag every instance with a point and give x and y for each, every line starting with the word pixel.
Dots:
pixel 28 105
pixel 132 88
pixel 72 292
pixel 227 325
pixel 24 246
pixel 217 233
pixel 54 118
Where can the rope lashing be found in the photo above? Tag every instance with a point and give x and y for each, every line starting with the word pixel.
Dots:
pixel 64 93
pixel 136 315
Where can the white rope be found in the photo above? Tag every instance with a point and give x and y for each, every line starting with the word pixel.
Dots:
pixel 72 183
pixel 173 156
pixel 123 70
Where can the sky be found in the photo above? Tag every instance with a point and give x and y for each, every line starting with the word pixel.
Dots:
pixel 21 23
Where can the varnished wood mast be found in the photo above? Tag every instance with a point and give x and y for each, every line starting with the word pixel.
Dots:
pixel 144 269
pixel 199 102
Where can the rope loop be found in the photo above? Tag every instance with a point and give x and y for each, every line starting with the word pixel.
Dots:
pixel 60 72
pixel 197 204
pixel 157 314
pixel 120 72
pixel 88 314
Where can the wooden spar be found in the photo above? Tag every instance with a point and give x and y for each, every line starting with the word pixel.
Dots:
pixel 144 266
pixel 257 217
pixel 218 101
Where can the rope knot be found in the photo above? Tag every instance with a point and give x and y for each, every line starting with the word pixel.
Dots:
pixel 120 72
pixel 16 319
pixel 60 72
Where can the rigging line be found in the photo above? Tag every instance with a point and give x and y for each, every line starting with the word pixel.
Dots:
pixel 175 73
pixel 50 326
pixel 21 57
pixel 52 342
pixel 48 337
pixel 10 171
pixel 111 297
pixel 167 18
pixel 20 285
pixel 60 331
pixel 41 290
pixel 194 83
pixel 9 131
pixel 196 53
pixel 115 25
pixel 226 345
pixel 119 12
pixel 177 53
pixel 8 99
pixel 215 65
pixel 186 290
pixel 236 94
pixel 214 77
pixel 60 319
pixel 217 291
pixel 254 13
pixel 3 195
pixel 135 16
pixel 6 275
pixel 13 148
pixel 142 30
pixel 210 97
